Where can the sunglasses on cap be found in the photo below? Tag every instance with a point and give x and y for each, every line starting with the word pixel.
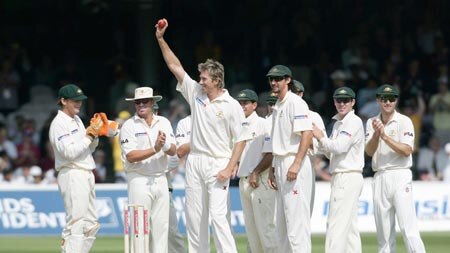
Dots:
pixel 275 78
pixel 386 98
pixel 143 101
pixel 343 100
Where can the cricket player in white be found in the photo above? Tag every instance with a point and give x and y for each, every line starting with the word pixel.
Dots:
pixel 317 120
pixel 175 239
pixel 183 137
pixel 291 138
pixel 217 142
pixel 345 149
pixel 390 142
pixel 257 198
pixel 73 146
pixel 146 140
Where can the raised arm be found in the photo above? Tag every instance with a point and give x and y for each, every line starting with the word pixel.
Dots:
pixel 169 57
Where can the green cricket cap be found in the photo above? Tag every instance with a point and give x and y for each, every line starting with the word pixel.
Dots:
pixel 279 70
pixel 155 107
pixel 272 98
pixel 344 92
pixel 71 91
pixel 387 89
pixel 247 94
pixel 298 87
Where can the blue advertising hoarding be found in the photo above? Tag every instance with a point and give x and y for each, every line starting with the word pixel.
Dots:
pixel 41 211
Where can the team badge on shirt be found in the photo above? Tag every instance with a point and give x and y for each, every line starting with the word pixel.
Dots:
pixel 294 192
pixel 219 114
pixel 392 133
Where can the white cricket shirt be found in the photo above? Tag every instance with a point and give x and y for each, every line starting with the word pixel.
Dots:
pixel 290 118
pixel 267 148
pixel 401 129
pixel 216 125
pixel 253 151
pixel 136 134
pixel 318 121
pixel 70 145
pixel 345 146
pixel 183 134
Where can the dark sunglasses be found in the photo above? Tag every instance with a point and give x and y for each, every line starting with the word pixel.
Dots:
pixel 144 101
pixel 271 103
pixel 275 78
pixel 387 98
pixel 343 100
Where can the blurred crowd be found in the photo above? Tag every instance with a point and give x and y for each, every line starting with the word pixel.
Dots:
pixel 326 44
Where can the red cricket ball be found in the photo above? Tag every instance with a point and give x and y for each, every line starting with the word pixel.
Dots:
pixel 161 23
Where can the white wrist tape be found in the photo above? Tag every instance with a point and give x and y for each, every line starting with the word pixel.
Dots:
pixel 166 147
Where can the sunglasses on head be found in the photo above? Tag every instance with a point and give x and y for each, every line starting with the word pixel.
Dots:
pixel 343 100
pixel 386 98
pixel 143 101
pixel 276 78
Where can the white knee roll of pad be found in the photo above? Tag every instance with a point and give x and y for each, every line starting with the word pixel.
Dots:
pixel 92 231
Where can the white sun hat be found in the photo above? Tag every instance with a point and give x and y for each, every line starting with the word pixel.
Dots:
pixel 144 92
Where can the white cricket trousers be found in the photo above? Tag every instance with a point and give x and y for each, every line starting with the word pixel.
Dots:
pixel 293 203
pixel 206 196
pixel 77 190
pixel 392 195
pixel 258 206
pixel 153 193
pixel 342 224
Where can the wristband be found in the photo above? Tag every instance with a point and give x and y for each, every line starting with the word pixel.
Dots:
pixel 166 147
pixel 91 136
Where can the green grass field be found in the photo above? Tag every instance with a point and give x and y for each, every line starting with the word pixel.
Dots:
pixel 434 243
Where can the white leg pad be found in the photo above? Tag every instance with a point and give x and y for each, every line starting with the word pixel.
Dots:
pixel 73 244
pixel 87 245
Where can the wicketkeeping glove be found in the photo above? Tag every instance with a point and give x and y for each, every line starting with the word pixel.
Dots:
pixel 97 123
pixel 109 127
pixel 113 128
